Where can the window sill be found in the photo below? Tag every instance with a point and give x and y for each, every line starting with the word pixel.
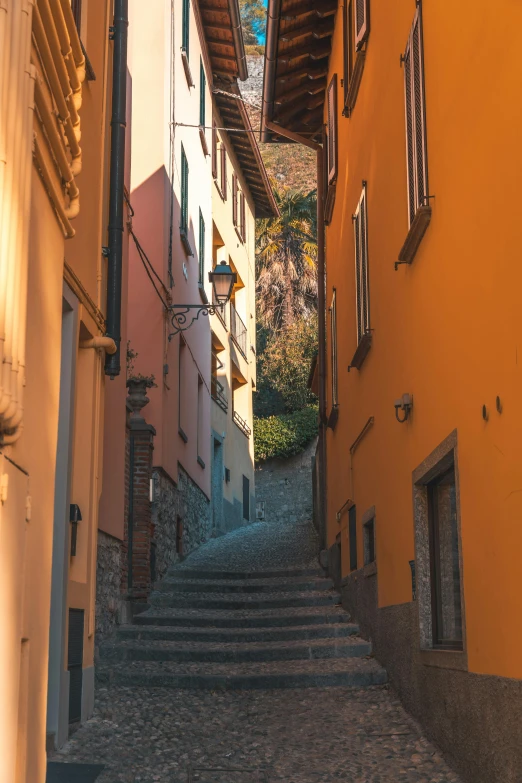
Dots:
pixel 201 463
pixel 417 230
pixel 182 435
pixel 333 417
pixel 185 242
pixel 329 203
pixel 355 83
pixel 362 350
pixel 203 140
pixel 186 68
pixel 444 659
pixel 202 293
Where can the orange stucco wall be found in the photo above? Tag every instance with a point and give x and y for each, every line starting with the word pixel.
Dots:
pixel 447 329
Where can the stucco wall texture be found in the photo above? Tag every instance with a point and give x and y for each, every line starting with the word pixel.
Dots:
pixel 445 329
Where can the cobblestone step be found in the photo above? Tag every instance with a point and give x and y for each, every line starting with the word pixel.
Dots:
pixel 340 672
pixel 192 652
pixel 280 573
pixel 238 635
pixel 223 586
pixel 225 601
pixel 285 617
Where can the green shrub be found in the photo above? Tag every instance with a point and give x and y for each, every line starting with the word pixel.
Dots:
pixel 285 435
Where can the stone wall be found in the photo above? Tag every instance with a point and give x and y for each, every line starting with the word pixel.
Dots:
pixel 285 487
pixel 185 500
pixel 108 585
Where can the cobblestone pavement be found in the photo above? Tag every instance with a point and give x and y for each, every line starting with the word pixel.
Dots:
pixel 302 735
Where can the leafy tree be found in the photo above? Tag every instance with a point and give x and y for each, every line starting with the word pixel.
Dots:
pixel 283 436
pixel 286 260
pixel 285 367
pixel 253 20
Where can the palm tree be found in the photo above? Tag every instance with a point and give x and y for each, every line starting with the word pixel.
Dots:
pixel 286 260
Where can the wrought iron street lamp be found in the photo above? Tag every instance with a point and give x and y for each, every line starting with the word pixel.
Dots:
pixel 183 316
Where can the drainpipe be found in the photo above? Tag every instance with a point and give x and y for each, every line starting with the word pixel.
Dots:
pixel 117 175
pixel 237 35
pixel 272 28
pixel 321 304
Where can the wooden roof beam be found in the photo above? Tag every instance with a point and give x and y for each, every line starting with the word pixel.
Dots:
pixel 321 8
pixel 308 88
pixel 315 53
pixel 323 30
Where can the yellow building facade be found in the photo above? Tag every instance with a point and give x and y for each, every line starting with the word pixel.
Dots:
pixel 414 109
pixel 53 103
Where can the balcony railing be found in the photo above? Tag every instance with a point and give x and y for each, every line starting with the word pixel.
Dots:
pixel 241 423
pixel 238 331
pixel 218 393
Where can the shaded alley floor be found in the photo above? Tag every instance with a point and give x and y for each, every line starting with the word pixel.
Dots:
pixel 302 735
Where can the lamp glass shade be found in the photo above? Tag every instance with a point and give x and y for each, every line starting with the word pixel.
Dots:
pixel 222 279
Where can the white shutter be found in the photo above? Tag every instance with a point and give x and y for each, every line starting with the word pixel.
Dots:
pixel 362 21
pixel 332 130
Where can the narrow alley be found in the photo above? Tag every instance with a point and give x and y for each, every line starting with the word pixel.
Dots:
pixel 251 611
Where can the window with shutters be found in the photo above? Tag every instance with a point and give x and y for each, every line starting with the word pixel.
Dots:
pixel 223 172
pixel 214 150
pixel 419 210
pixel 332 130
pixel 185 27
pixel 185 41
pixel 234 199
pixel 183 225
pixel 330 147
pixel 202 107
pixel 201 258
pixel 332 419
pixel 242 217
pixel 356 28
pixel 362 294
pixel 182 402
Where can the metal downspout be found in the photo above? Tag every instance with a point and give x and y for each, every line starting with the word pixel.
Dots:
pixel 237 35
pixel 117 178
pixel 272 27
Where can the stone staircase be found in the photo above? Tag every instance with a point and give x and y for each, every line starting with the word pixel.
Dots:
pixel 241 630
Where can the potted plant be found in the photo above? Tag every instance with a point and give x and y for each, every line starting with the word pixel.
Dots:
pixel 137 384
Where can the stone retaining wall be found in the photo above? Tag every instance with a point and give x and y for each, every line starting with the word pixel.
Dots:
pixel 285 487
pixel 108 585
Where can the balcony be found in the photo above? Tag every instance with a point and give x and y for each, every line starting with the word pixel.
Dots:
pixel 217 391
pixel 241 423
pixel 238 331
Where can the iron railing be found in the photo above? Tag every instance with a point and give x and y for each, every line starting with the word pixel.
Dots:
pixel 241 423
pixel 238 330
pixel 218 393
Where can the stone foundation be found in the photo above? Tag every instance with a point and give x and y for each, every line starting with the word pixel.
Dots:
pixel 185 500
pixel 108 585
pixel 285 487
pixel 475 719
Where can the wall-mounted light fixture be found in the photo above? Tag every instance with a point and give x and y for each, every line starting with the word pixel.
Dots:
pixel 75 516
pixel 223 280
pixel 405 404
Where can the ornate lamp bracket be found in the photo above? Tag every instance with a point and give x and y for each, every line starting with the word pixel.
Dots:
pixel 183 316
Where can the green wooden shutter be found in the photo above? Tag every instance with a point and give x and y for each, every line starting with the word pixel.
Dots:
pixel 186 26
pixel 201 247
pixel 202 90
pixel 184 191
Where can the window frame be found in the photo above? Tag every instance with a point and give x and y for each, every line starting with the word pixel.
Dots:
pixel 234 199
pixel 362 275
pixel 242 216
pixel 370 551
pixel 214 149
pixel 352 537
pixel 182 347
pixel 246 499
pixel 438 641
pixel 223 172
pixel 199 434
